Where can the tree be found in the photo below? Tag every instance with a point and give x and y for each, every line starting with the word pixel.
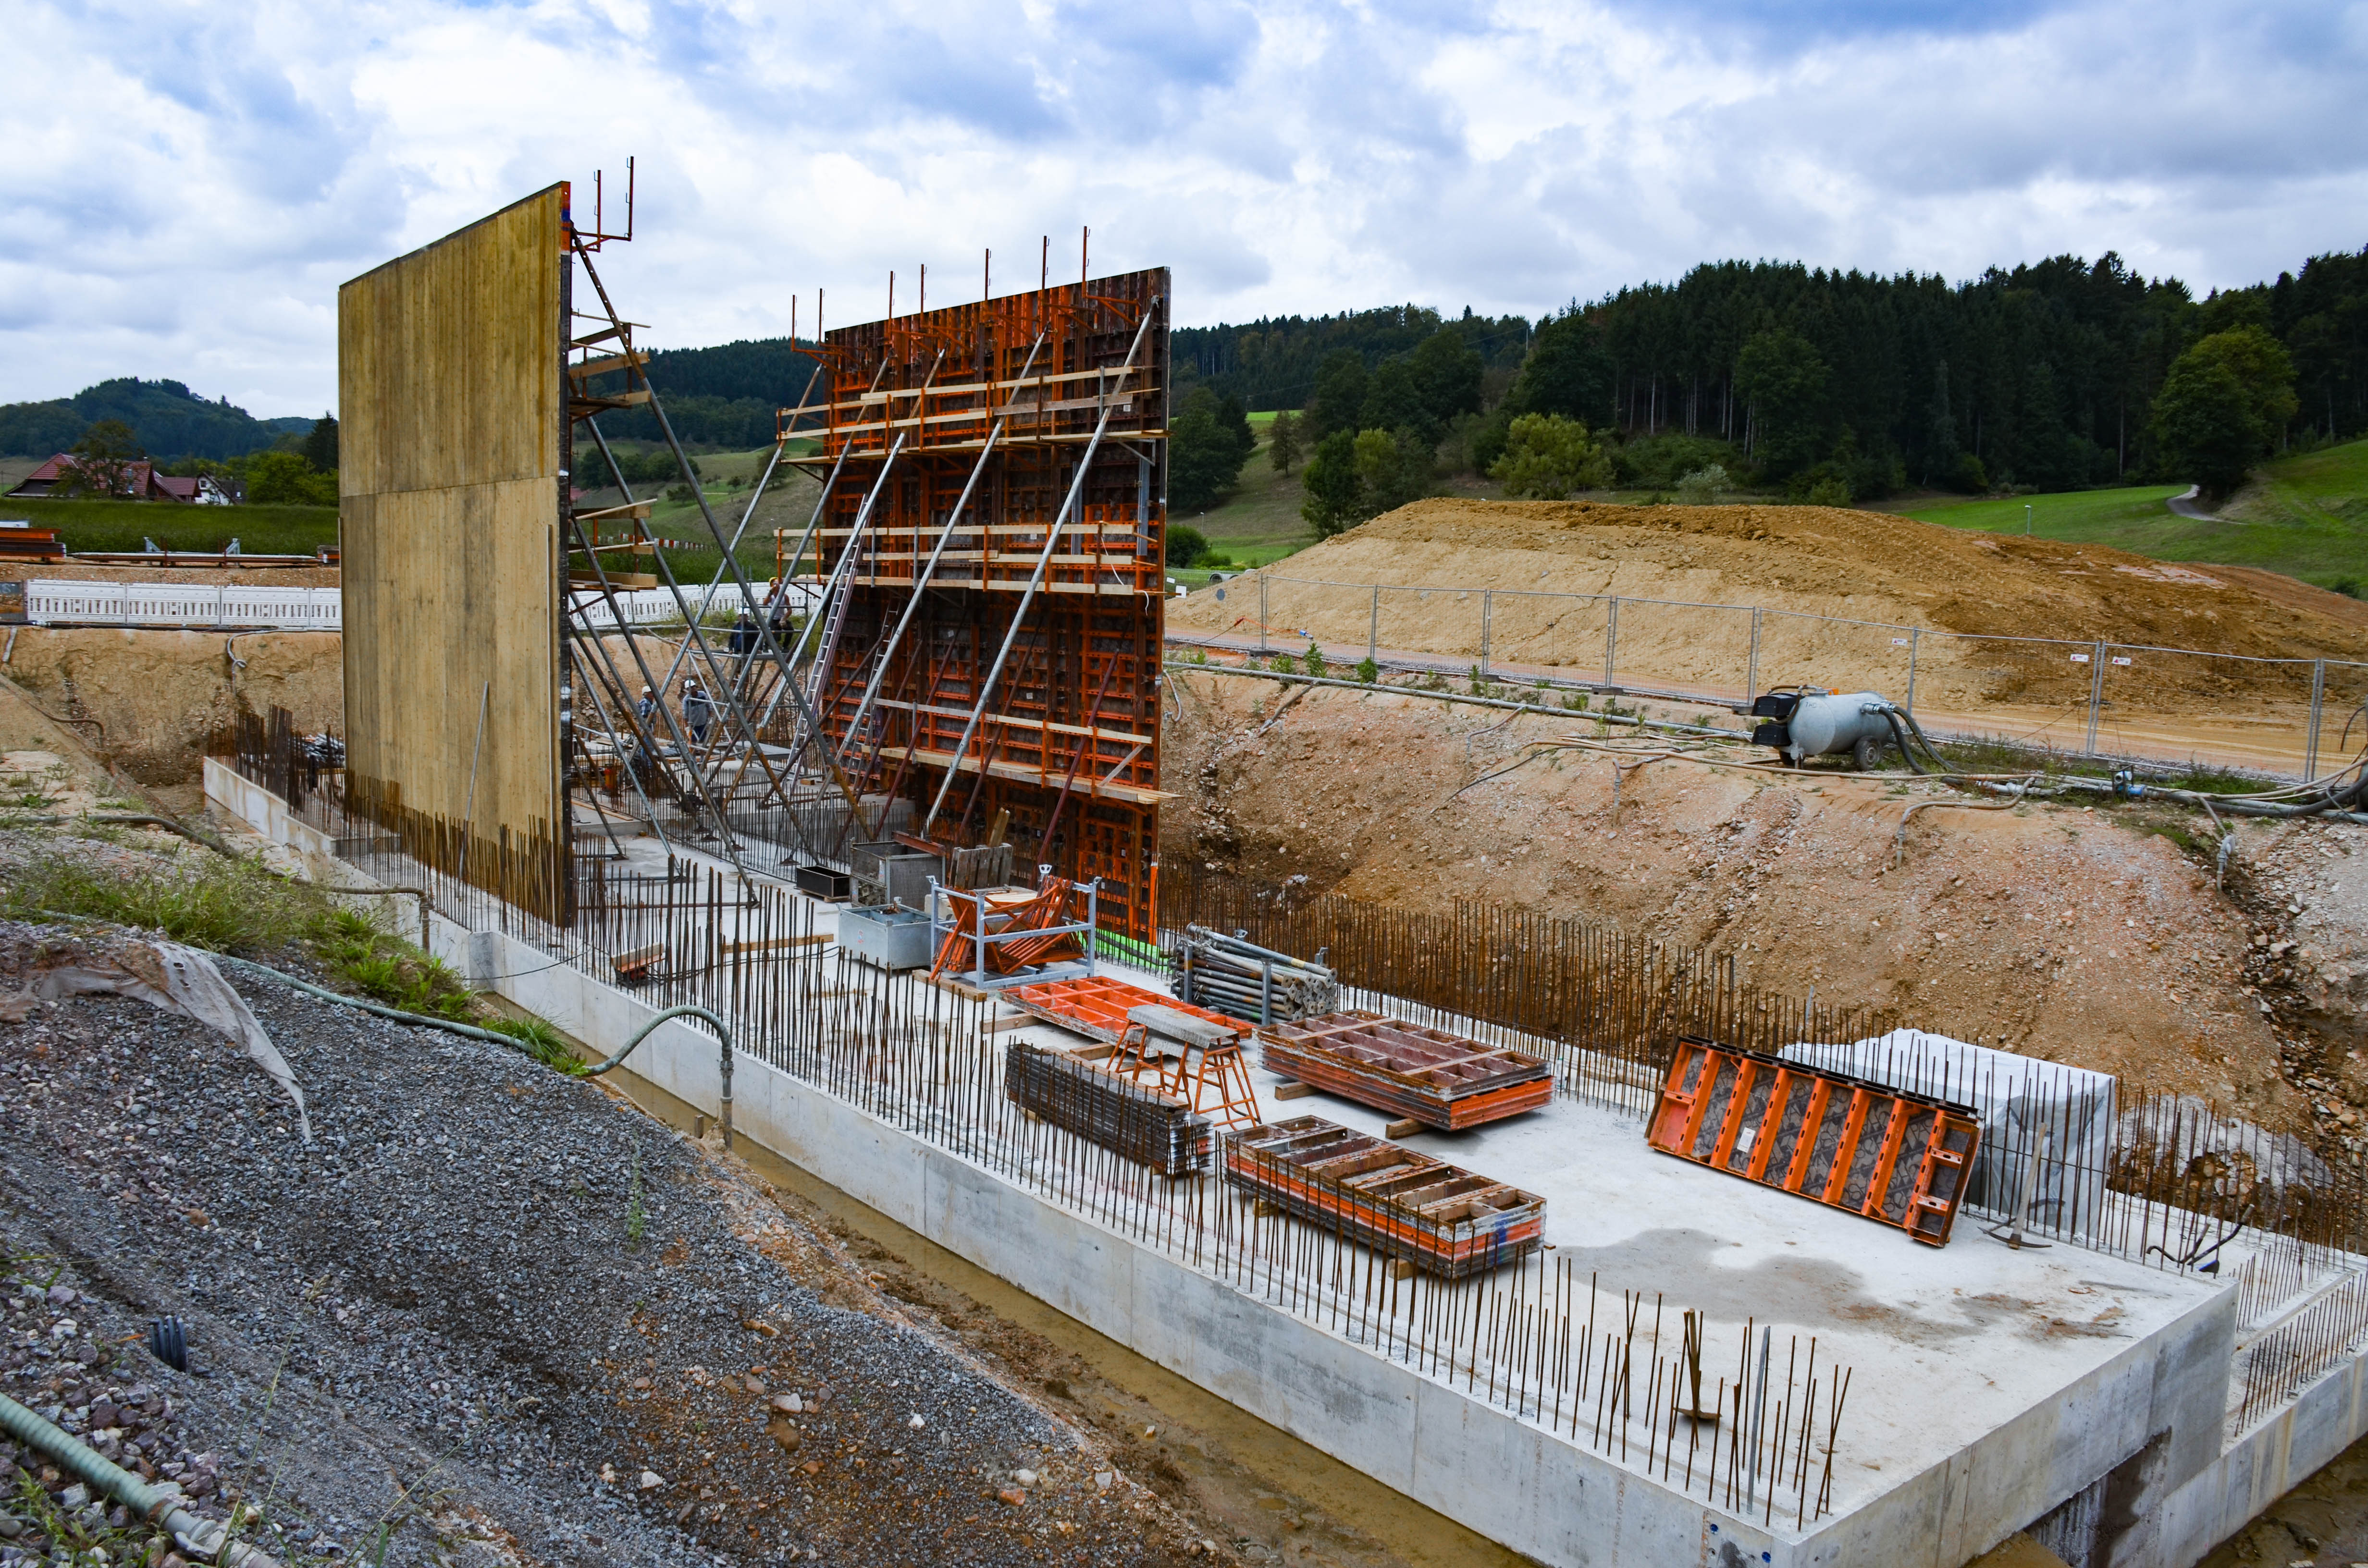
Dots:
pixel 285 479
pixel 1568 373
pixel 1392 403
pixel 102 461
pixel 1186 547
pixel 1334 493
pixel 2263 367
pixel 1780 377
pixel 1393 469
pixel 1207 443
pixel 1337 401
pixel 1447 373
pixel 320 447
pixel 1547 457
pixel 2206 427
pixel 1282 442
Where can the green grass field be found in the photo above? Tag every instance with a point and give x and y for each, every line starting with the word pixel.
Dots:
pixel 2306 517
pixel 86 525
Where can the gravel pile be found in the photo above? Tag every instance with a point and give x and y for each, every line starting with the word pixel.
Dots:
pixel 490 1315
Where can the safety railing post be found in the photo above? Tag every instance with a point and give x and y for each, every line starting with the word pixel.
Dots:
pixel 2317 703
pixel 1373 627
pixel 1261 612
pixel 1487 607
pixel 1751 664
pixel 1612 640
pixel 1915 636
pixel 2096 693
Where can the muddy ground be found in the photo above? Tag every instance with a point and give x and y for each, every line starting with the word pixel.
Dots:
pixel 2095 936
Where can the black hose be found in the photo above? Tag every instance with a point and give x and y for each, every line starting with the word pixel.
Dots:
pixel 1899 738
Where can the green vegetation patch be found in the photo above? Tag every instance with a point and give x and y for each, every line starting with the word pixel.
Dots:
pixel 2304 515
pixel 236 906
pixel 86 525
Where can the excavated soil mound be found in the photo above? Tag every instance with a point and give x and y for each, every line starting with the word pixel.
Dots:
pixel 162 698
pixel 1992 592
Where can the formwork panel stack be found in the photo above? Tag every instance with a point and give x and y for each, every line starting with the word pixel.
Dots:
pixel 960 439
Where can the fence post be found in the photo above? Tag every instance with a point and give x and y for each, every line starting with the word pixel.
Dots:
pixel 1915 636
pixel 2096 692
pixel 1261 612
pixel 1751 666
pixel 1373 628
pixel 1610 641
pixel 1487 609
pixel 2317 698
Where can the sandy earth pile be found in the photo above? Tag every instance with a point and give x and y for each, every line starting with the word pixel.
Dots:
pixel 2094 937
pixel 1808 561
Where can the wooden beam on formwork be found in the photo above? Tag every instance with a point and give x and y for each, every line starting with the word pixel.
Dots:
pixel 1077 713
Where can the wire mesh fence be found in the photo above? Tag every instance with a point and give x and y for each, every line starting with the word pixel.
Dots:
pixel 2125 703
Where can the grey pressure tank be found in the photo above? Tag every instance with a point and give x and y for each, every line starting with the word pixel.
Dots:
pixel 1809 724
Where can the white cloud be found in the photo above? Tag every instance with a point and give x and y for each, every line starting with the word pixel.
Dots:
pixel 187 185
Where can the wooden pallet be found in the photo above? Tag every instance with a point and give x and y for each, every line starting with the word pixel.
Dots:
pixel 1897 1158
pixel 1428 1075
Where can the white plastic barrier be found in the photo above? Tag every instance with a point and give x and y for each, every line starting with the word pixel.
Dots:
pixel 50 602
pixel 645 607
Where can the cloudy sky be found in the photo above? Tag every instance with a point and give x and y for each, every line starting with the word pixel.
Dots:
pixel 186 186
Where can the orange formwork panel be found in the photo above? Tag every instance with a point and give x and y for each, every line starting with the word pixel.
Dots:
pixel 1097 1006
pixel 1891 1156
pixel 1440 1079
pixel 1404 1203
pixel 925 516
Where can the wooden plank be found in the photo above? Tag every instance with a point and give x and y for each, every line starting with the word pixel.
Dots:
pixel 630 509
pixel 451 397
pixel 606 363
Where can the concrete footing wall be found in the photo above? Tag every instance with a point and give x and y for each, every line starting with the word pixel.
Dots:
pixel 2160 1401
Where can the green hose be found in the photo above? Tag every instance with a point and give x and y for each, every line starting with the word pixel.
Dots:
pixel 208 1539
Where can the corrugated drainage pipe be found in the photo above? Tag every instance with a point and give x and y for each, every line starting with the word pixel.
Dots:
pixel 724 1034
pixel 161 1506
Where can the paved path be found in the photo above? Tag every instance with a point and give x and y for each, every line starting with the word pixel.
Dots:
pixel 2186 506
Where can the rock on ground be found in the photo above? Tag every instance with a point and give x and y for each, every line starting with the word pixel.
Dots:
pixel 491 1313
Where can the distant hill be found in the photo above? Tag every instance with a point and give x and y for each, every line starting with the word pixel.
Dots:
pixel 171 421
pixel 723 396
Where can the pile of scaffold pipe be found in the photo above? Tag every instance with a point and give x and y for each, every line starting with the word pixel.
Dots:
pixel 1404 1204
pixel 1438 1079
pixel 1251 982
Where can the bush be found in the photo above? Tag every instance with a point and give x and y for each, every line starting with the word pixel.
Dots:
pixel 1186 547
pixel 1314 661
pixel 285 479
pixel 1967 477
pixel 1368 671
pixel 1829 490
pixel 1704 485
pixel 1547 457
pixel 2348 587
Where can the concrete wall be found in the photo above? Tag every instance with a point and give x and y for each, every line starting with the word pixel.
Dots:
pixel 1454 1453
pixel 2265 1464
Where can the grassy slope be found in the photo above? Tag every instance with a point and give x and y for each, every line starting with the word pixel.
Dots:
pixel 120 525
pixel 2306 517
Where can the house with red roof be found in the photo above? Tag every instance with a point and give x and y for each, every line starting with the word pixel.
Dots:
pixel 141 482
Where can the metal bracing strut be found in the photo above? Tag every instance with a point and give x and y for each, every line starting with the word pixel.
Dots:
pixel 1035 580
pixel 921 580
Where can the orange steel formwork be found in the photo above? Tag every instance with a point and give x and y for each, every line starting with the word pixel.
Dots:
pixel 1894 1157
pixel 958 437
pixel 1438 1079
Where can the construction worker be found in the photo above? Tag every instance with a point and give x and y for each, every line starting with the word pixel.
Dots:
pixel 698 711
pixel 646 708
